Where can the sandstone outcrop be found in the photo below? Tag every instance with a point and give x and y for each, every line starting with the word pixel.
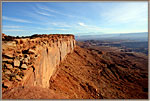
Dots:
pixel 33 60
pixel 88 74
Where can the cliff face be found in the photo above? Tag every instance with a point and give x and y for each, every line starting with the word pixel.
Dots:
pixel 32 61
pixel 86 73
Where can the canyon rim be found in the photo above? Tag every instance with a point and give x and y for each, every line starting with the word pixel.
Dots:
pixel 57 66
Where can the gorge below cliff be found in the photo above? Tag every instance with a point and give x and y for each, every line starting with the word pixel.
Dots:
pixel 56 67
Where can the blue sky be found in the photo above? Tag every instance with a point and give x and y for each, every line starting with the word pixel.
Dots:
pixel 78 18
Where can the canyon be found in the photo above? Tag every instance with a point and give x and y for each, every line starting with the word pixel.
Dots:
pixel 57 67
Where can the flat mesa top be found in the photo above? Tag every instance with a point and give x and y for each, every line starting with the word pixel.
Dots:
pixel 51 35
pixel 6 38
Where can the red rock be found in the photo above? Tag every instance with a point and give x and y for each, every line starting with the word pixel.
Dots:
pixel 8 60
pixel 31 51
pixel 24 66
pixel 16 63
pixel 25 61
pixel 18 77
pixel 7 84
pixel 9 66
pixel 7 72
pixel 9 55
pixel 44 54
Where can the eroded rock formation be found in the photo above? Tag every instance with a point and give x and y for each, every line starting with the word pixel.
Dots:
pixel 38 67
pixel 33 60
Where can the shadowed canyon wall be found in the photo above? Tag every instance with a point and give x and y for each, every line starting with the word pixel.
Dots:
pixel 32 61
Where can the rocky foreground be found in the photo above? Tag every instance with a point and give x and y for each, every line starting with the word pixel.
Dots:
pixel 31 61
pixel 83 74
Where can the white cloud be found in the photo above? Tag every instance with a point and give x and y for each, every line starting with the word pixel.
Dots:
pixel 42 20
pixel 15 19
pixel 81 24
pixel 41 12
pixel 8 26
pixel 58 12
pixel 90 28
pixel 46 8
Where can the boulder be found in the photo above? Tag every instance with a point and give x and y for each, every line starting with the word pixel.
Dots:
pixel 18 51
pixel 31 51
pixel 25 61
pixel 7 84
pixel 7 72
pixel 16 63
pixel 16 70
pixel 18 77
pixel 8 55
pixel 8 60
pixel 28 57
pixel 11 43
pixel 24 66
pixel 21 58
pixel 9 66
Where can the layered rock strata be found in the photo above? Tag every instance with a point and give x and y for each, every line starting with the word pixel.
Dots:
pixel 33 60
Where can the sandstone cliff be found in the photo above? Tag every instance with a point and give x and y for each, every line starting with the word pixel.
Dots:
pixel 33 60
pixel 40 67
pixel 92 74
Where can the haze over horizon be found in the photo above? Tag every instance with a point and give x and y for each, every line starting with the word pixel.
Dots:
pixel 81 18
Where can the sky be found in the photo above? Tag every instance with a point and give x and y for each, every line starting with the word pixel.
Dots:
pixel 78 18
